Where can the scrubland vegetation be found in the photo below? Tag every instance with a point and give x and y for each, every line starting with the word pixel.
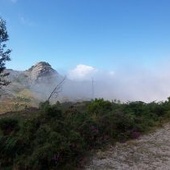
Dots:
pixel 61 136
pixel 17 103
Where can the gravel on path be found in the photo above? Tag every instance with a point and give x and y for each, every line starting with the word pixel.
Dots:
pixel 149 152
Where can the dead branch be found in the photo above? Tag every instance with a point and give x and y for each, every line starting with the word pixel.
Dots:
pixel 57 90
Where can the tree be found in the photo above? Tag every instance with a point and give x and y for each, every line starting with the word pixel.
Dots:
pixel 4 53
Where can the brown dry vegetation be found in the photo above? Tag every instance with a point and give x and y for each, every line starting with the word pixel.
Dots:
pixel 16 104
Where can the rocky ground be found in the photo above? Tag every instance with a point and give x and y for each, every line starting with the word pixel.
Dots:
pixel 149 152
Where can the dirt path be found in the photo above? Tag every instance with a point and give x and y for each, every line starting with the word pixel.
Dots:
pixel 150 152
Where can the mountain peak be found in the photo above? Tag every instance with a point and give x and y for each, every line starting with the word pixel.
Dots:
pixel 40 65
pixel 41 69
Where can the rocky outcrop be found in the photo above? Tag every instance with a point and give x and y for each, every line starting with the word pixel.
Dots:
pixel 41 71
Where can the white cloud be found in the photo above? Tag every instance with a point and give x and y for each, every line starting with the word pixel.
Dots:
pixel 82 72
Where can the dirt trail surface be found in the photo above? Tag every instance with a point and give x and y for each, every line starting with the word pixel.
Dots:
pixel 149 152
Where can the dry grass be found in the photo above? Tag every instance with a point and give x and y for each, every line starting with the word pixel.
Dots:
pixel 23 99
pixel 12 105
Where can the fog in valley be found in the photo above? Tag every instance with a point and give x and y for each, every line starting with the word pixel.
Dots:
pixel 137 84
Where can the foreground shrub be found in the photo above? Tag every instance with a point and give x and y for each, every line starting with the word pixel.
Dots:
pixel 58 137
pixel 9 125
pixel 99 106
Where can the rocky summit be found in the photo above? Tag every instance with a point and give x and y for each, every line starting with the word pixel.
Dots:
pixel 40 71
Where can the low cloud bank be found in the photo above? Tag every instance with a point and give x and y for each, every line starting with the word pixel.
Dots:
pixel 127 84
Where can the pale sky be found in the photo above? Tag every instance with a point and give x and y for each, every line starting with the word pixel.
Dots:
pixel 128 40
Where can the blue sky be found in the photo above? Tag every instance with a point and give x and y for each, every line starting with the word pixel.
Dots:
pixel 100 33
pixel 111 36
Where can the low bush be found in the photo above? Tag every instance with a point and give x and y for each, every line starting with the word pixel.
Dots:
pixel 59 136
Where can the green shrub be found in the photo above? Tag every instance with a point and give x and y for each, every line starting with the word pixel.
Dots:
pixel 59 136
pixel 99 106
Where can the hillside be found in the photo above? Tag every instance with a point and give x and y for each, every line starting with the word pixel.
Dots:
pixel 28 87
pixel 34 85
pixel 39 74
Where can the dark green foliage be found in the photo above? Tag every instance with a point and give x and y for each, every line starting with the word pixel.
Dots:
pixel 59 136
pixel 44 105
pixel 99 106
pixel 9 125
pixel 4 53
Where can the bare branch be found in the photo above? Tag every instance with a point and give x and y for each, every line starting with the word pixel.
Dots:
pixel 57 90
